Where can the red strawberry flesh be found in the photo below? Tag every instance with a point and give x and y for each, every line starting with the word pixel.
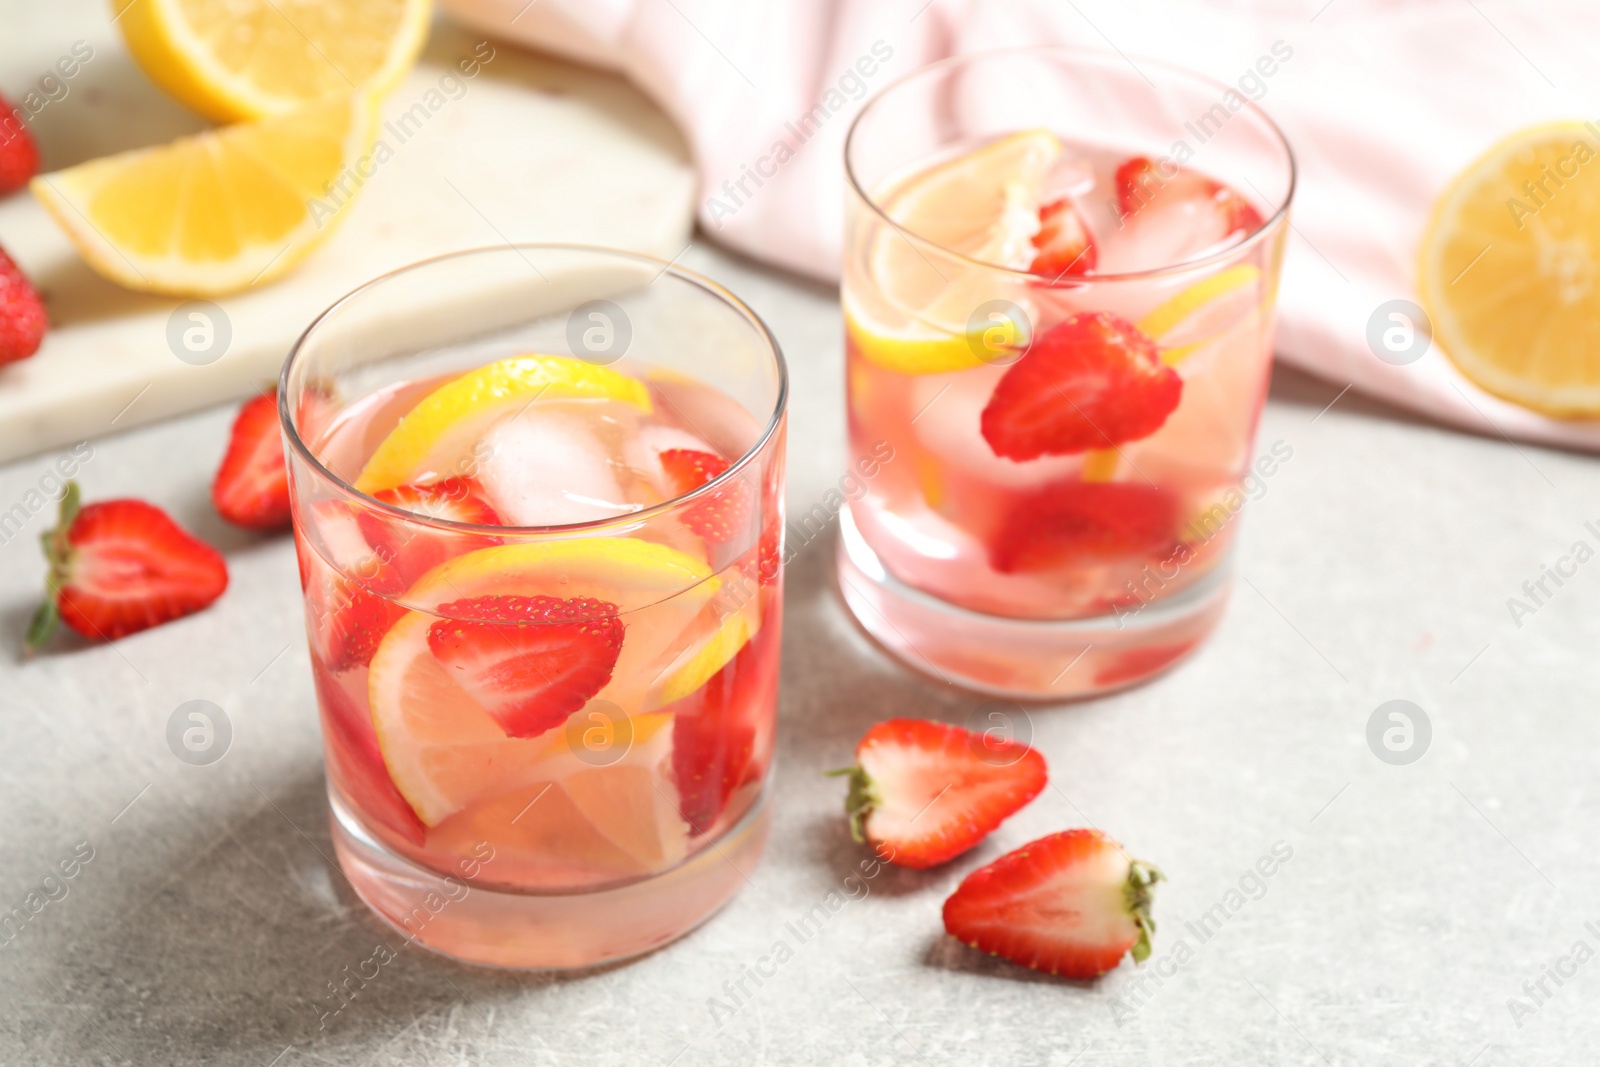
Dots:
pixel 23 322
pixel 1064 245
pixel 121 566
pixel 924 792
pixel 1091 381
pixel 1075 523
pixel 721 515
pixel 19 156
pixel 530 661
pixel 414 549
pixel 1071 904
pixel 721 733
pixel 251 488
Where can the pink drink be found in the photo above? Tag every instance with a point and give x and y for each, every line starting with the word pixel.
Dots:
pixel 545 641
pixel 1068 346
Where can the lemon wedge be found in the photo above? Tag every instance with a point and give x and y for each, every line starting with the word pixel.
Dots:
pixel 913 314
pixel 445 424
pixel 217 212
pixel 246 59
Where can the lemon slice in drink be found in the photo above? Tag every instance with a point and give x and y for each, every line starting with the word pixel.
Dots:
pixel 445 424
pixel 443 750
pixel 914 315
pixel 245 59
pixel 600 809
pixel 1508 271
pixel 217 212
pixel 699 663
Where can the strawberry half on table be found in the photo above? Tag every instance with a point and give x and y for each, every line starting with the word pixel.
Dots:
pixel 924 792
pixel 1071 904
pixel 251 488
pixel 121 566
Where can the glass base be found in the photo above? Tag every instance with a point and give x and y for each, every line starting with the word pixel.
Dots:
pixel 458 917
pixel 1025 659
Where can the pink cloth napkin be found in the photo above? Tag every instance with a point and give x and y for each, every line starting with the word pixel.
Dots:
pixel 1384 101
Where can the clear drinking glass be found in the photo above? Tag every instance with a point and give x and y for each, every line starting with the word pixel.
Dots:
pixel 1072 411
pixel 538 505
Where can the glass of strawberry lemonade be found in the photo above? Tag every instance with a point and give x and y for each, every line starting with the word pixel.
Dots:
pixel 1058 284
pixel 538 509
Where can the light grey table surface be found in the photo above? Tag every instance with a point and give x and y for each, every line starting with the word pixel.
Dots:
pixel 1418 899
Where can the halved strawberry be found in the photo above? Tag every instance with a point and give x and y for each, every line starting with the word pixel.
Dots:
pixel 721 733
pixel 356 762
pixel 251 488
pixel 530 661
pixel 23 322
pixel 1073 523
pixel 348 606
pixel 19 156
pixel 1140 182
pixel 1071 904
pixel 414 550
pixel 121 566
pixel 1091 381
pixel 720 516
pixel 1065 246
pixel 925 792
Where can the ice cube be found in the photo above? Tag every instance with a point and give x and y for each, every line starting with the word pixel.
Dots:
pixel 949 428
pixel 1175 220
pixel 549 466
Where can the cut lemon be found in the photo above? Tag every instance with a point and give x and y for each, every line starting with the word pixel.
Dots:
pixel 246 59
pixel 586 810
pixel 1508 270
pixel 984 205
pixel 219 211
pixel 700 663
pixel 447 422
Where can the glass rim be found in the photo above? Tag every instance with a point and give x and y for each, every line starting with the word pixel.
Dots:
pixel 559 531
pixel 1103 56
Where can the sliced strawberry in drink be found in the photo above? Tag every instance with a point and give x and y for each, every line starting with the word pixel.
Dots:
pixel 529 661
pixel 721 733
pixel 1171 215
pixel 1071 904
pixel 414 550
pixel 1065 246
pixel 356 760
pixel 923 792
pixel 722 514
pixel 347 595
pixel 1091 381
pixel 1076 523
